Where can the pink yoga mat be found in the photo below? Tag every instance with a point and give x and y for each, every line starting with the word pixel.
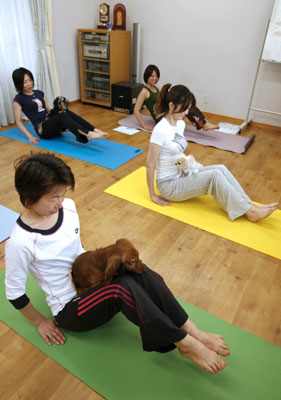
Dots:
pixel 224 141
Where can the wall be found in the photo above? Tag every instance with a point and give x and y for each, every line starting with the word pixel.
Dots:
pixel 212 46
pixel 68 16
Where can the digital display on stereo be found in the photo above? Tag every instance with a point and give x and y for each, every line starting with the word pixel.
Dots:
pixel 96 50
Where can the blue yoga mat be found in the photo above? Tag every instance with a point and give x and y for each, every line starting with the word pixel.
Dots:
pixel 7 221
pixel 100 152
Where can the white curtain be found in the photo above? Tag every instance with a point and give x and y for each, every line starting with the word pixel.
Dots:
pixel 17 49
pixel 47 72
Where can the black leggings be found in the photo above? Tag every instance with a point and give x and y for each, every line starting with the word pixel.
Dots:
pixel 144 299
pixel 54 125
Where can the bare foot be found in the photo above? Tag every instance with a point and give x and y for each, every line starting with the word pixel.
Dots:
pixel 212 341
pixel 257 213
pixel 215 342
pixel 96 134
pixel 275 204
pixel 208 126
pixel 103 134
pixel 195 351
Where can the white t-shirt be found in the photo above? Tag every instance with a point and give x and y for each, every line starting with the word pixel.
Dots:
pixel 47 254
pixel 172 142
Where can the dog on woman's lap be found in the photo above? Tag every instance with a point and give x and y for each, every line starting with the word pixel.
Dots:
pixel 60 104
pixel 101 265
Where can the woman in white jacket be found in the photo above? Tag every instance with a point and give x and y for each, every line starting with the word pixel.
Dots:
pixel 46 241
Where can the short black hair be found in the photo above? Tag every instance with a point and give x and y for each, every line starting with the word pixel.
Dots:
pixel 37 174
pixel 149 70
pixel 18 78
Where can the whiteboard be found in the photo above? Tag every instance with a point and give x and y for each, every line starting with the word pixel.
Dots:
pixel 272 45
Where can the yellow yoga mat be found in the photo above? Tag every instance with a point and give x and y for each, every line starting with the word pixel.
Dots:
pixel 204 213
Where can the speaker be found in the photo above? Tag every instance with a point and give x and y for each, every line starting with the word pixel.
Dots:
pixel 135 76
pixel 124 96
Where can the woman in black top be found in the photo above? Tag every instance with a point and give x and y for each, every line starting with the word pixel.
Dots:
pixel 33 104
pixel 148 97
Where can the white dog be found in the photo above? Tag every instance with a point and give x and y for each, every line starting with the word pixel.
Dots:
pixel 187 165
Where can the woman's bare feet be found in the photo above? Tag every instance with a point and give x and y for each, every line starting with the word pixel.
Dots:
pixel 275 204
pixel 95 134
pixel 212 341
pixel 206 359
pixel 259 212
pixel 215 342
pixel 208 126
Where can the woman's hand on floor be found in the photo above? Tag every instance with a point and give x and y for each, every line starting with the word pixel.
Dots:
pixel 50 332
pixel 33 140
pixel 159 200
pixel 148 128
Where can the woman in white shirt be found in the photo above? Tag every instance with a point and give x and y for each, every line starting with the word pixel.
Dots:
pixel 46 240
pixel 167 142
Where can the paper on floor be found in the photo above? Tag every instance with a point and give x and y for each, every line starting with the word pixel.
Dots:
pixel 128 131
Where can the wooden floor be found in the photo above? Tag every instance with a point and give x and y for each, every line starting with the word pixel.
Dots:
pixel 233 282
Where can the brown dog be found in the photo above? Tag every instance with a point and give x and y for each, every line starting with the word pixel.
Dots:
pixel 94 267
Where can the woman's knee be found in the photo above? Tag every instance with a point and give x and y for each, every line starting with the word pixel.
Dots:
pixel 221 167
pixel 123 280
pixel 218 176
pixel 64 117
pixel 220 171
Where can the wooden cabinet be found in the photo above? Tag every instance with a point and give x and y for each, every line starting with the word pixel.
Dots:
pixel 104 58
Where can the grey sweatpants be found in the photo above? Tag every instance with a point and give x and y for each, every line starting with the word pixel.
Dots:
pixel 214 179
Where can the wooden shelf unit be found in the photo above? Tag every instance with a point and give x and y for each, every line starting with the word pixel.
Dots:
pixel 104 58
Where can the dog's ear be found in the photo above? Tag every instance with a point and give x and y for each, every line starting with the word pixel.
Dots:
pixel 112 267
pixel 55 102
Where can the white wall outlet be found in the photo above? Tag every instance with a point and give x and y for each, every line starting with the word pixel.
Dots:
pixel 206 99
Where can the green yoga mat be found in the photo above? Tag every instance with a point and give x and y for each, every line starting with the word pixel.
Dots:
pixel 111 361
